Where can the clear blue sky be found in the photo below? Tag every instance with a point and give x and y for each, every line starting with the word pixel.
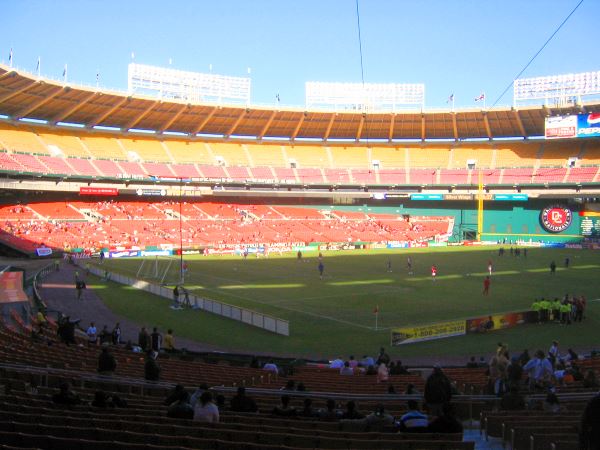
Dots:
pixel 452 46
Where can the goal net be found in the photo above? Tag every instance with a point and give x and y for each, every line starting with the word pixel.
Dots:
pixel 165 270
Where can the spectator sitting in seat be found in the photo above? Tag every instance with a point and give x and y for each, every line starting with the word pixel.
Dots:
pixel 102 400
pixel 414 421
pixel 174 395
pixel 107 363
pixel 347 370
pixel 284 408
pixel 379 419
pixel 472 364
pixel 445 422
pixel 151 367
pixel 512 400
pixel 181 408
pixel 196 395
pixel 205 410
pixel 352 412
pixel 66 396
pixel 330 412
pixel 337 363
pixel 271 367
pixel 290 385
pixel 411 390
pixel 307 409
pixel 591 380
pixel 398 369
pixel 551 403
pixel 242 403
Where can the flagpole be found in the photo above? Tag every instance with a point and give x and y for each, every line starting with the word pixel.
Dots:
pixel 484 100
pixel 39 66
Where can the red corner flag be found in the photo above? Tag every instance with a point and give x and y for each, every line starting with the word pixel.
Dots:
pixel 376 310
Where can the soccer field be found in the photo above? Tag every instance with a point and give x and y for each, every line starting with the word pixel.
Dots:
pixel 336 314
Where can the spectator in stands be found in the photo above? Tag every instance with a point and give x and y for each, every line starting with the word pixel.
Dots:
pixel 352 413
pixel 591 380
pixel 379 419
pixel 271 367
pixel 144 339
pixel 353 362
pixel 284 408
pixel 307 409
pixel 413 421
pixel 513 400
pixel 383 373
pixel 514 372
pixel 107 363
pixel 169 341
pixel 438 390
pixel 116 334
pixel 205 410
pixel 151 367
pixel 198 393
pixel 220 402
pixel 155 340
pixel 66 396
pixel 445 421
pixel 571 355
pixel 181 408
pixel 524 357
pixel 242 403
pixel 337 363
pixel 539 370
pixel 383 357
pixel 367 361
pixel 551 403
pixel 399 369
pixel 498 367
pixel 42 322
pixel 91 333
pixel 589 435
pixel 102 400
pixel 330 412
pixel 174 395
pixel 290 385
pixel 472 364
pixel 105 335
pixel 347 370
pixel 411 390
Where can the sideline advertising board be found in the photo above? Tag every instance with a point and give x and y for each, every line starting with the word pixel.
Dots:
pixel 408 335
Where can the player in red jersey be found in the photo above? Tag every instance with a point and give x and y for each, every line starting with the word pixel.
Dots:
pixel 486 285
pixel 433 272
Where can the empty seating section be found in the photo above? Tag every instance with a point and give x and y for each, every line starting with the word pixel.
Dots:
pixel 146 149
pixel 454 176
pixel 517 155
pixel 431 157
pixel 58 210
pixel 310 176
pixel 103 147
pixel 389 157
pixel 231 154
pixel 266 155
pixel 108 168
pixel 392 176
pixel 55 165
pixel 423 176
pixel 90 153
pixel 20 139
pixel 364 176
pixel 158 170
pixel 7 162
pixel 66 144
pixel 549 175
pixel 517 176
pixel 482 157
pixel 351 157
pixel 238 173
pixel 185 170
pixel 215 172
pixel 188 152
pixel 337 176
pixel 83 167
pixel 557 153
pixel 307 155
pixel 583 174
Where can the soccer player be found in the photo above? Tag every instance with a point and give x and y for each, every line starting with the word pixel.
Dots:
pixel 409 265
pixel 490 267
pixel 486 285
pixel 321 269
pixel 433 272
pixel 389 265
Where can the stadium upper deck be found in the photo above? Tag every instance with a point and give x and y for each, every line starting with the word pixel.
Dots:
pixel 25 95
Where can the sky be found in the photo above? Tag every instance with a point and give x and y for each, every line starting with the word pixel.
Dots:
pixel 460 47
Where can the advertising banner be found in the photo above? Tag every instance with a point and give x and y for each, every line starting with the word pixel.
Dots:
pixel 43 251
pixel 588 125
pixel 124 254
pixel 500 321
pixel 560 127
pixel 90 190
pixel 11 287
pixel 408 335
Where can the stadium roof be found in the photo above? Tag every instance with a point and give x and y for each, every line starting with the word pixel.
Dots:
pixel 23 95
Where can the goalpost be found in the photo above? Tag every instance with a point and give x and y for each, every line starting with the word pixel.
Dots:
pixel 164 269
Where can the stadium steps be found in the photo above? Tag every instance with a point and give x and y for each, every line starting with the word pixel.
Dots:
pixel 169 154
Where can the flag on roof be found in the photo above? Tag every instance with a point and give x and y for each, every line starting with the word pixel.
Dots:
pixel 10 56
pixel 450 98
pixel 37 67
pixel 480 97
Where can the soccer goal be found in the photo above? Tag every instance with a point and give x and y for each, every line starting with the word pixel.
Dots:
pixel 164 269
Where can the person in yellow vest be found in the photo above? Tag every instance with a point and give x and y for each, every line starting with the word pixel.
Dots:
pixel 565 313
pixel 537 307
pixel 546 306
pixel 169 341
pixel 556 310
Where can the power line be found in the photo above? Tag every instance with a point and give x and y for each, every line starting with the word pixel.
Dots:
pixel 533 57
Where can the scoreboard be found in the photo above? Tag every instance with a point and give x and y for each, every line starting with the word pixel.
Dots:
pixel 590 224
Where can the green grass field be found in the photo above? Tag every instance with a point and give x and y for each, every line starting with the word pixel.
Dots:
pixel 335 315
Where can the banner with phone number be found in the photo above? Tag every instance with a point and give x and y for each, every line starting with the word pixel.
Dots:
pixel 408 335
